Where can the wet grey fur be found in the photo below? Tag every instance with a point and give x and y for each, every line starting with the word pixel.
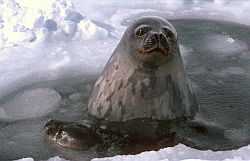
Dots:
pixel 71 134
pixel 129 88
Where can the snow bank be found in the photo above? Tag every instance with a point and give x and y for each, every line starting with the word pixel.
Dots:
pixel 178 153
pixel 24 21
pixel 118 14
pixel 183 153
pixel 27 21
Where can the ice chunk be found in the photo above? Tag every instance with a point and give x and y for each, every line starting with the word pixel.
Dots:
pixel 57 158
pixel 42 35
pixel 33 19
pixel 27 36
pixel 76 96
pixel 90 31
pixel 50 25
pixel 70 28
pixel 19 18
pixel 72 15
pixel 225 45
pixel 25 159
pixel 103 127
pixel 230 40
pixel 30 104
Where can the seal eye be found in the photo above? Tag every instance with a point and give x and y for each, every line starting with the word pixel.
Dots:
pixel 142 31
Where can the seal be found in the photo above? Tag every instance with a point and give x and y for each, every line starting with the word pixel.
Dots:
pixel 71 134
pixel 145 76
pixel 144 79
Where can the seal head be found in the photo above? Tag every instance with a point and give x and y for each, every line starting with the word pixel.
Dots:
pixel 153 40
pixel 71 134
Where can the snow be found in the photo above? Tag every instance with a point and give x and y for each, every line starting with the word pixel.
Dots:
pixel 230 40
pixel 56 158
pixel 183 153
pixel 25 159
pixel 90 31
pixel 27 21
pixel 178 153
pixel 48 40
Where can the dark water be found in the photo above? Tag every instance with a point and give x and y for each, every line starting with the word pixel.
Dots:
pixel 217 58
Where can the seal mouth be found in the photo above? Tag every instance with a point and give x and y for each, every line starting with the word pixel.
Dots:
pixel 153 53
pixel 157 51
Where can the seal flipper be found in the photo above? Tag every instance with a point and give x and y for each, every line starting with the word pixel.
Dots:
pixel 70 134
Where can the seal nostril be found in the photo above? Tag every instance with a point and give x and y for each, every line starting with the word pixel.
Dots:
pixel 156 37
pixel 161 36
pixel 163 39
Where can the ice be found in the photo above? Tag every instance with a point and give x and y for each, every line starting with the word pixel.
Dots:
pixel 182 153
pixel 25 159
pixel 89 30
pixel 76 96
pixel 62 18
pixel 230 40
pixel 178 153
pixel 70 28
pixel 236 11
pixel 55 39
pixel 24 21
pixel 27 36
pixel 225 45
pixel 50 25
pixel 35 63
pixel 30 104
pixel 56 158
